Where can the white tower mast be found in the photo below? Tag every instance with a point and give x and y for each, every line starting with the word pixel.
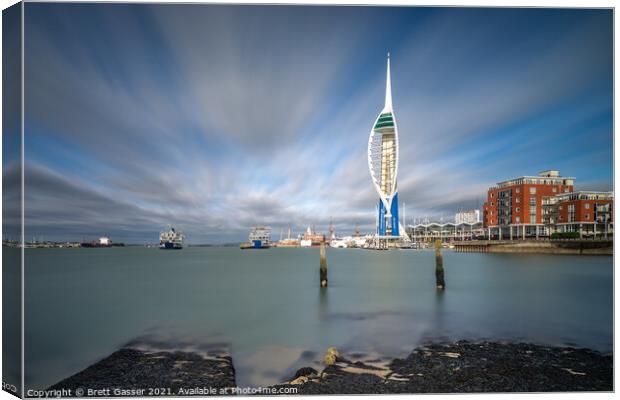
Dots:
pixel 383 152
pixel 388 89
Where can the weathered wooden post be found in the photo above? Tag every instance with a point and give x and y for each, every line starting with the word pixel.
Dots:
pixel 323 266
pixel 441 283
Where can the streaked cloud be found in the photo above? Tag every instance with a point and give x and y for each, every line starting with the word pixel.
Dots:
pixel 217 118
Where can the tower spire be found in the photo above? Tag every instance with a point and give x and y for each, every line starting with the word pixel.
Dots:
pixel 388 88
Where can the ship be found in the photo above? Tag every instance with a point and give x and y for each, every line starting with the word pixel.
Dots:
pixel 340 243
pixel 259 238
pixel 103 241
pixel 355 241
pixel 288 242
pixel 359 240
pixel 311 238
pixel 171 240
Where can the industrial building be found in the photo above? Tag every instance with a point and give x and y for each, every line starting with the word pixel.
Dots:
pixel 447 232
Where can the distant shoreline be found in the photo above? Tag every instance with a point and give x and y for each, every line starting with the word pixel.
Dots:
pixel 573 247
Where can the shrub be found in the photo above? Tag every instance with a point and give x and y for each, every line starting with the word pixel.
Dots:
pixel 565 235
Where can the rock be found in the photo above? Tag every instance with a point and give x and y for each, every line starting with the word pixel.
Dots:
pixel 334 351
pixel 300 380
pixel 465 367
pixel 329 359
pixel 331 356
pixel 570 371
pixel 305 371
pixel 130 368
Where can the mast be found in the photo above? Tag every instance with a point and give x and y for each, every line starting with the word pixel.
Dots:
pixel 388 88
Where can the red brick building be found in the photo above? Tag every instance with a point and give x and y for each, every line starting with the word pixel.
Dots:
pixel 589 213
pixel 514 207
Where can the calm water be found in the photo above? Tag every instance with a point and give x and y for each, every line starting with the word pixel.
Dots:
pixel 265 307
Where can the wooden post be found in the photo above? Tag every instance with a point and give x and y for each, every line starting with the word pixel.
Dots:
pixel 440 282
pixel 323 266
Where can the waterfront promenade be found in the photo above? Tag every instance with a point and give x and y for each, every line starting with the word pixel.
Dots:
pixel 554 246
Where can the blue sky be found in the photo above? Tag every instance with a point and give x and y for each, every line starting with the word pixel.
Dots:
pixel 218 118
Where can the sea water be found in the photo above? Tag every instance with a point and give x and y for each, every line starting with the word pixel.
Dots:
pixel 265 307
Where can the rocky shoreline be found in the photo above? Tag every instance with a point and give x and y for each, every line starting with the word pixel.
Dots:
pixel 465 367
pixel 165 372
pixel 459 367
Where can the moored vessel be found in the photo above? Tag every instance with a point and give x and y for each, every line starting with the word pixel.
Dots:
pixel 103 241
pixel 311 238
pixel 259 238
pixel 288 242
pixel 339 243
pixel 171 240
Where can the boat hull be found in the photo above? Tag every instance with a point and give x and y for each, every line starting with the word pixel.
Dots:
pixel 170 246
pixel 255 244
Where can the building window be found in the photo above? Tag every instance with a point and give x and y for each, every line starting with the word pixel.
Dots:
pixel 602 212
pixel 587 216
pixel 571 213
pixel 518 219
pixel 532 201
pixel 560 207
pixel 554 190
pixel 587 206
pixel 533 190
pixel 518 190
pixel 518 200
pixel 518 209
pixel 492 203
pixel 533 214
pixel 492 195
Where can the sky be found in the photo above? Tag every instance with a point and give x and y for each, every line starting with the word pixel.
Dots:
pixel 219 118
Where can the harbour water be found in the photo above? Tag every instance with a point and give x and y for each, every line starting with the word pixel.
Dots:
pixel 266 309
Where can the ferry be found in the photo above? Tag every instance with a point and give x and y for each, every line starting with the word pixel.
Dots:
pixel 259 239
pixel 171 240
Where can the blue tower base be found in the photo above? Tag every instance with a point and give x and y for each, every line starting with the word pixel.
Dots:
pixel 382 223
pixel 395 224
pixel 382 228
